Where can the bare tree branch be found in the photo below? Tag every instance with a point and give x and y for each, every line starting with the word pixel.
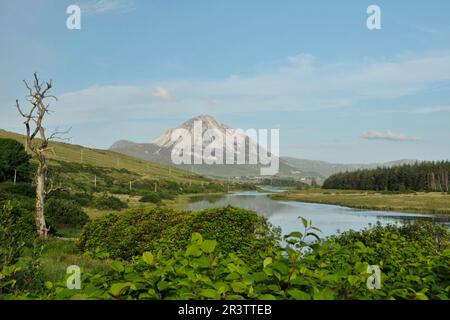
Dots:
pixel 37 95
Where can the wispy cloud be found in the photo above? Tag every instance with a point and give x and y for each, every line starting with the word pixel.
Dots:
pixel 99 7
pixel 432 109
pixel 300 84
pixel 163 94
pixel 428 30
pixel 388 135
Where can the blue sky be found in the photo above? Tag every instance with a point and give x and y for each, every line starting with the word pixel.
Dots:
pixel 336 90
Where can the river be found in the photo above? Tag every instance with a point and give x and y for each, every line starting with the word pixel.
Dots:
pixel 329 218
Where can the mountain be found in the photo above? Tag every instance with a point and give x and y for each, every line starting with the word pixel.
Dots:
pixel 160 150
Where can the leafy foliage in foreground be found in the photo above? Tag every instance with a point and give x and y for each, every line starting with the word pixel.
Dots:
pixel 414 260
pixel 19 266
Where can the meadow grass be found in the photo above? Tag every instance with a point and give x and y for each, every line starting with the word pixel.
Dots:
pixel 58 254
pixel 418 202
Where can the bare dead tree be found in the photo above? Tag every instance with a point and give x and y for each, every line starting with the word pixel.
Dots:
pixel 38 141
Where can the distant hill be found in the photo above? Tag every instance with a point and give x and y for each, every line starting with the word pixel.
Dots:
pixel 326 169
pixel 160 149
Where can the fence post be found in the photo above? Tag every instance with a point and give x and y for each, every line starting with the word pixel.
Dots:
pixel 15 176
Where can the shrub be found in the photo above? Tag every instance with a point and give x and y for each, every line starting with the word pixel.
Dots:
pixel 17 230
pixel 109 202
pixel 22 193
pixel 166 194
pixel 62 213
pixel 151 197
pixel 84 199
pixel 20 188
pixel 139 230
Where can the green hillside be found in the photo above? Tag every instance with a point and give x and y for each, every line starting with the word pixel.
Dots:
pixel 68 153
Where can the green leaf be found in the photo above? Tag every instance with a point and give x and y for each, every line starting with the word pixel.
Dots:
pixel 118 288
pixel 196 238
pixel 162 285
pixel 210 294
pixel 352 279
pixel 193 250
pixel 295 234
pixel 304 222
pixel 361 267
pixel 208 246
pixel 325 294
pixel 421 296
pixel 312 234
pixel 267 262
pixel 239 287
pixel 117 266
pixel 298 294
pixel 148 258
pixel 266 297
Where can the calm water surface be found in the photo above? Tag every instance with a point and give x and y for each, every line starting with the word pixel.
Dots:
pixel 328 218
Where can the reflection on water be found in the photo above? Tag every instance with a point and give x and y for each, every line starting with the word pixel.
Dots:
pixel 328 218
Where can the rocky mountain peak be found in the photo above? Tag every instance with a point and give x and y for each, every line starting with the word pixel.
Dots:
pixel 208 123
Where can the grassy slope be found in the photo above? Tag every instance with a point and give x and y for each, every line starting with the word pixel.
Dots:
pixel 109 159
pixel 432 202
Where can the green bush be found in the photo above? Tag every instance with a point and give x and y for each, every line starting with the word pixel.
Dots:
pixel 167 194
pixel 17 231
pixel 126 235
pixel 109 202
pixel 20 188
pixel 84 199
pixel 151 197
pixel 62 213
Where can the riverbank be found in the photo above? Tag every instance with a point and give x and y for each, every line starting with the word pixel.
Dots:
pixel 181 201
pixel 433 202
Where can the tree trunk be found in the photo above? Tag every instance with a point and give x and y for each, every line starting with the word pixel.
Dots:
pixel 40 199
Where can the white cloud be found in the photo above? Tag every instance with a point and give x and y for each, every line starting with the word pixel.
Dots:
pixel 99 7
pixel 300 84
pixel 388 135
pixel 163 94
